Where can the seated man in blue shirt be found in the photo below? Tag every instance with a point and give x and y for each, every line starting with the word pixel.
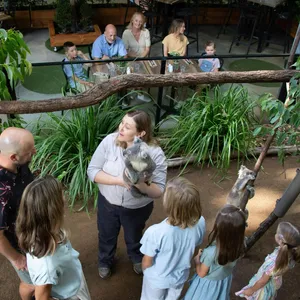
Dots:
pixel 108 45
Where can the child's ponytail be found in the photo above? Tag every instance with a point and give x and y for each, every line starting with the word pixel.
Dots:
pixel 229 234
pixel 296 254
pixel 282 260
pixel 288 238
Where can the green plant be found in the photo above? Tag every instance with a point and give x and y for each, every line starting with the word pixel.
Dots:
pixel 283 117
pixel 63 15
pixel 13 63
pixel 73 16
pixel 86 13
pixel 65 146
pixel 174 53
pixel 212 129
pixel 121 64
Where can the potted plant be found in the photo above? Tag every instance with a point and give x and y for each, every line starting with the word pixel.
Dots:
pixel 73 22
pixel 121 66
pixel 14 66
pixel 176 64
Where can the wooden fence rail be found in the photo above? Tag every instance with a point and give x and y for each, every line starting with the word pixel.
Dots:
pixel 101 91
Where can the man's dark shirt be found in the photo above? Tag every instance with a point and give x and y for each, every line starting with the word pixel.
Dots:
pixel 11 189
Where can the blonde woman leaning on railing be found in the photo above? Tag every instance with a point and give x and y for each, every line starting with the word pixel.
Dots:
pixel 136 37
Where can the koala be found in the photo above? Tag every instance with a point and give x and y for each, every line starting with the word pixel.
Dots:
pixel 241 185
pixel 139 164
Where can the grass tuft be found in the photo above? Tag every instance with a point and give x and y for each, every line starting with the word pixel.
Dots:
pixel 66 144
pixel 211 128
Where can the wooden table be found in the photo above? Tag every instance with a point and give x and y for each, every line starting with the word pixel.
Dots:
pixel 267 13
pixel 101 71
pixel 150 67
pixel 186 66
pixel 270 3
pixel 189 66
pixel 166 11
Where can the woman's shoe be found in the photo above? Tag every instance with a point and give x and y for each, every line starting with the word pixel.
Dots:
pixel 104 272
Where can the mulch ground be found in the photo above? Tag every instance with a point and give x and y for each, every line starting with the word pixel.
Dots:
pixel 126 285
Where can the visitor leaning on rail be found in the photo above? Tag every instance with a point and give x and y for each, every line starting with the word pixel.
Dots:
pixel 108 45
pixel 136 37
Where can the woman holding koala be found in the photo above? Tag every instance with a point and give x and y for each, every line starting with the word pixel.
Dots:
pixel 116 205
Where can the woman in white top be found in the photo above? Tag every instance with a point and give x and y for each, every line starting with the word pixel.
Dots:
pixel 136 37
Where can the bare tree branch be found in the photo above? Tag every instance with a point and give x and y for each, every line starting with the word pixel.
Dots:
pixel 101 91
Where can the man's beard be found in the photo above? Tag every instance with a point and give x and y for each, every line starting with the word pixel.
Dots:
pixel 22 164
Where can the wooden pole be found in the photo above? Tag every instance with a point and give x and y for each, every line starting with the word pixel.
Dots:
pixel 282 206
pixel 101 91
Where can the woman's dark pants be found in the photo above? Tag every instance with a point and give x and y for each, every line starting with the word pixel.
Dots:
pixel 110 218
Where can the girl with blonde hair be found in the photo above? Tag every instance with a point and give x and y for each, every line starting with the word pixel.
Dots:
pixel 53 264
pixel 169 246
pixel 267 281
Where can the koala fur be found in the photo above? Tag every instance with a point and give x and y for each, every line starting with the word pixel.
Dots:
pixel 241 185
pixel 139 164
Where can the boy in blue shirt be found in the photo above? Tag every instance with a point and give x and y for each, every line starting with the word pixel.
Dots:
pixel 75 73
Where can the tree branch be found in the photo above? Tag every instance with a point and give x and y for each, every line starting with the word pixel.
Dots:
pixel 101 91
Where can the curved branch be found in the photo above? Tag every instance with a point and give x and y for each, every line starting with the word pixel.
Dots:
pixel 101 91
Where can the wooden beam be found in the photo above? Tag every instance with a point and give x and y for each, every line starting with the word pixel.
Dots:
pixel 101 91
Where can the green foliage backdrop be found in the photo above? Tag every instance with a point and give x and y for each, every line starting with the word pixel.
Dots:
pixel 65 146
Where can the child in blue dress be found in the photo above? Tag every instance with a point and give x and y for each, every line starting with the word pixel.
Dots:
pixel 169 246
pixel 53 264
pixel 214 265
pixel 267 281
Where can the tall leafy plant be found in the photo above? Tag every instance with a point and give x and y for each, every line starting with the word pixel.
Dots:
pixel 14 65
pixel 283 116
pixel 65 146
pixel 213 128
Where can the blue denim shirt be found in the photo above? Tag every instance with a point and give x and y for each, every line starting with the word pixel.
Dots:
pixel 77 70
pixel 101 47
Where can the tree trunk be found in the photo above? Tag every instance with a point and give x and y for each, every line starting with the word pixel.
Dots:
pixel 101 91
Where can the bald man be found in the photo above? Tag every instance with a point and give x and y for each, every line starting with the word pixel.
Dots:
pixel 16 151
pixel 108 45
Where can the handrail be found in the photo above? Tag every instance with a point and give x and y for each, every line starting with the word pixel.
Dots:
pixel 161 58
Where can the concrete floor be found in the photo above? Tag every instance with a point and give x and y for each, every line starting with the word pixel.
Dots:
pixel 39 53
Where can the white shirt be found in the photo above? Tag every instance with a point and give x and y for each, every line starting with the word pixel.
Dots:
pixel 62 269
pixel 172 249
pixel 132 45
